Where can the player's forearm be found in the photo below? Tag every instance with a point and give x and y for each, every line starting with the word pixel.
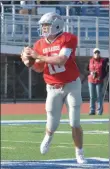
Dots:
pixel 56 60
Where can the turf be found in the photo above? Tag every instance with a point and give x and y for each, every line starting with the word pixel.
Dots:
pixel 22 142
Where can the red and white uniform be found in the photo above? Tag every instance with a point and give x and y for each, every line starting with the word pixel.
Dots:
pixel 66 76
pixel 65 43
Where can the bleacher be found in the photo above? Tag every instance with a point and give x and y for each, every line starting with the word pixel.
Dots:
pixel 17 31
pixel 75 8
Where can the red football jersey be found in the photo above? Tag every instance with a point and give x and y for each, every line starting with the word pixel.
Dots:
pixel 56 74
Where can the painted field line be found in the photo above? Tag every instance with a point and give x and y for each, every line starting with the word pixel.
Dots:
pixel 63 121
pixel 59 146
pixel 92 163
pixel 9 148
pixel 53 160
pixel 36 142
pixel 85 132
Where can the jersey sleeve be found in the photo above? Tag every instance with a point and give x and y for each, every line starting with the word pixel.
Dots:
pixel 70 42
pixel 69 45
pixel 65 52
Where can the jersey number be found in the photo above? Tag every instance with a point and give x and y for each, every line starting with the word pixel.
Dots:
pixel 53 69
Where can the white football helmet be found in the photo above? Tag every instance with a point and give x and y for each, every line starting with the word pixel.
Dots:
pixel 56 24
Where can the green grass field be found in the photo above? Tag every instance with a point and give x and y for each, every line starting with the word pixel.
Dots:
pixel 22 142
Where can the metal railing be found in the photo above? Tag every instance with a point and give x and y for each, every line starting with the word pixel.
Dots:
pixel 17 29
pixel 23 30
pixel 63 8
pixel 18 82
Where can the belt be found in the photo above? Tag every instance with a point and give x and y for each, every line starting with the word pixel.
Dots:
pixel 57 86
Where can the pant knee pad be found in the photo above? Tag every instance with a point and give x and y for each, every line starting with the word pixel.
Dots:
pixel 74 116
pixel 52 123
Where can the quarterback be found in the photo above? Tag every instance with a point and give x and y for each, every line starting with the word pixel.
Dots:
pixel 54 55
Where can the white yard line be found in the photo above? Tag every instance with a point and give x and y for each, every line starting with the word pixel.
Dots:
pixel 60 144
pixel 9 148
pixel 85 132
pixel 95 132
pixel 63 121
pixel 94 158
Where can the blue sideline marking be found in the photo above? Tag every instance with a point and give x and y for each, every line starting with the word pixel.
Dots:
pixel 92 163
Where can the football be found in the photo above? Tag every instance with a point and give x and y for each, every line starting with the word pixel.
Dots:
pixel 29 62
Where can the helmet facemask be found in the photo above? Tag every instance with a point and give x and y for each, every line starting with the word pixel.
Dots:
pixel 45 31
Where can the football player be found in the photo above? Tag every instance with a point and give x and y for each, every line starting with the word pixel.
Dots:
pixel 55 54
